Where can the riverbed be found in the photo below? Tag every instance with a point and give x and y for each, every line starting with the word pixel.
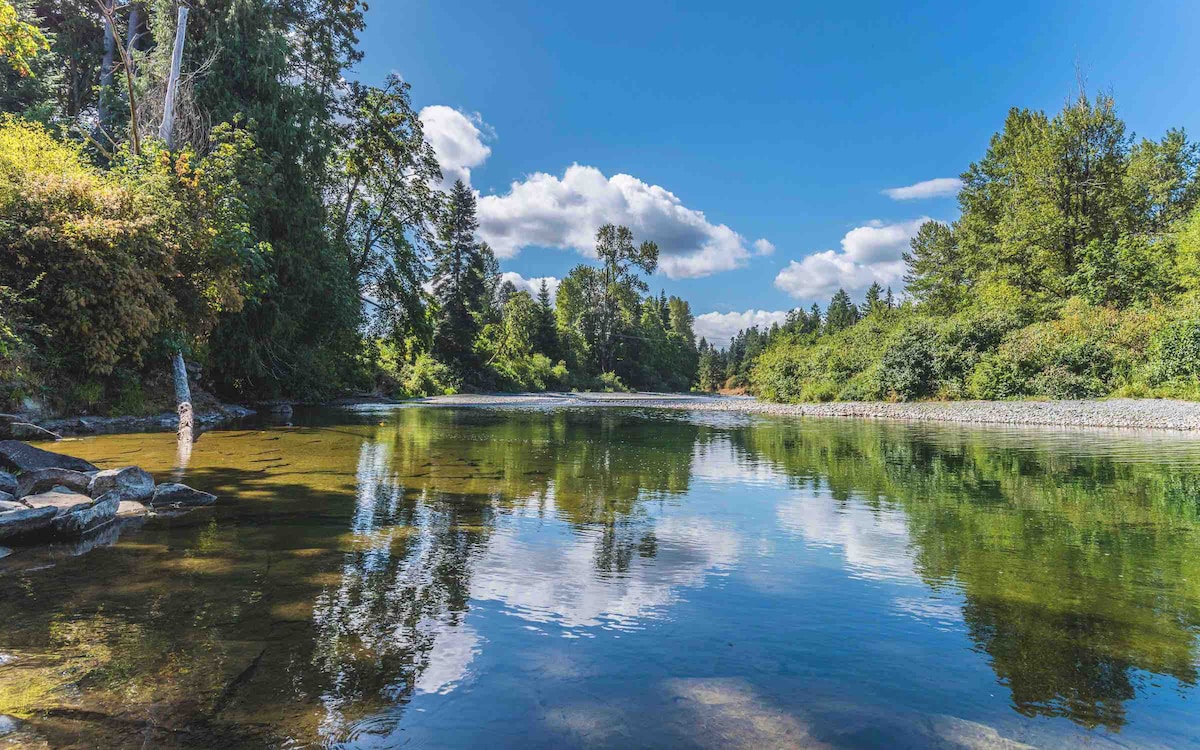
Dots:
pixel 554 574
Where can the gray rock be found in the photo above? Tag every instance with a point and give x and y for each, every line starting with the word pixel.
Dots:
pixel 8 483
pixel 42 480
pixel 131 509
pixel 182 495
pixel 4 552
pixel 132 482
pixel 18 456
pixel 18 523
pixel 80 521
pixel 63 502
pixel 10 503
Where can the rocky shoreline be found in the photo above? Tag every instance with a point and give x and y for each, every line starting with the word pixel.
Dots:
pixel 1157 414
pixel 46 496
pixel 28 427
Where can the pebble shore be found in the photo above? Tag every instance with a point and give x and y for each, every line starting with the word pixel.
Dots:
pixel 1162 414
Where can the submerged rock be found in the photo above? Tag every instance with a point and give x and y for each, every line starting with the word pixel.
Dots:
pixel 80 521
pixel 8 483
pixel 41 480
pixel 134 483
pixel 181 495
pixel 22 457
pixel 62 500
pixel 18 523
pixel 131 509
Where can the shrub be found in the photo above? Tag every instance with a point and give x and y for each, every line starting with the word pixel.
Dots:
pixel 907 370
pixel 1175 355
pixel 1086 351
pixel 426 376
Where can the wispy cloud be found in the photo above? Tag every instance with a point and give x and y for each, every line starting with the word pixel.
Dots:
pixel 939 187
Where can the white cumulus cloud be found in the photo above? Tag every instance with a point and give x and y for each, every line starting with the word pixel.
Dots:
pixel 459 140
pixel 545 210
pixel 870 253
pixel 763 247
pixel 938 187
pixel 719 328
pixel 532 285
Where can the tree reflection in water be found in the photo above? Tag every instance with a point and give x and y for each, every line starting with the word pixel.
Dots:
pixel 1078 567
pixel 343 582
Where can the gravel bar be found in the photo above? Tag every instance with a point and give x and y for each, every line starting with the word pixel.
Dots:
pixel 1162 414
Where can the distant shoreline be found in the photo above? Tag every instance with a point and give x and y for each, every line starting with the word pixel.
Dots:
pixel 1156 414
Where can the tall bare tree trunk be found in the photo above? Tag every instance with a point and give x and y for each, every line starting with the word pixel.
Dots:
pixel 106 66
pixel 132 34
pixel 183 392
pixel 168 123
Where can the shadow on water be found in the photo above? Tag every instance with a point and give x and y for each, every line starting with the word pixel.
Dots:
pixel 357 565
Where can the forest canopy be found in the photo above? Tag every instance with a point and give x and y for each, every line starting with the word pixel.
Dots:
pixel 1073 271
pixel 291 239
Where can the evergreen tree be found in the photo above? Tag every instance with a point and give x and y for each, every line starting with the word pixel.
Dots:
pixel 547 335
pixel 937 272
pixel 459 282
pixel 841 314
pixel 874 300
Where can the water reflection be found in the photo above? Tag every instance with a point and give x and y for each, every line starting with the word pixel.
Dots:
pixel 375 567
pixel 1079 572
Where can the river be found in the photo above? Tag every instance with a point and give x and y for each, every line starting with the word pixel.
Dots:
pixel 622 577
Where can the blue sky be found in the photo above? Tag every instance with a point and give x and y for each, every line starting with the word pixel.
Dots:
pixel 710 126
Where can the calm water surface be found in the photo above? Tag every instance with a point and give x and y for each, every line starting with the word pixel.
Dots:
pixel 613 577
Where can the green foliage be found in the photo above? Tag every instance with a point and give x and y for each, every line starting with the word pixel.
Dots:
pixel 117 262
pixel 907 369
pixel 459 281
pixel 425 376
pixel 1071 273
pixel 20 41
pixel 1174 361
pixel 287 248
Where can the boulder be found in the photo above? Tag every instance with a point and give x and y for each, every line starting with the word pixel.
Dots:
pixel 7 504
pixel 17 523
pixel 132 482
pixel 22 457
pixel 181 495
pixel 80 521
pixel 7 499
pixel 63 502
pixel 42 480
pixel 131 509
pixel 8 483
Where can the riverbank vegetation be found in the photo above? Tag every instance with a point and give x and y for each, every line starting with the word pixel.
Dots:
pixel 1073 271
pixel 293 240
